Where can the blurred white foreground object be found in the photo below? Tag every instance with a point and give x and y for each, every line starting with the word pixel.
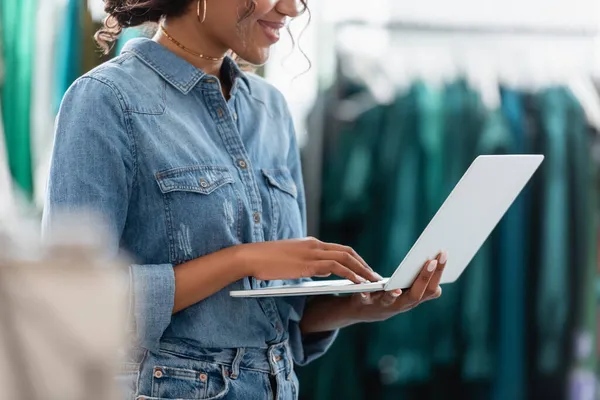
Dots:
pixel 62 318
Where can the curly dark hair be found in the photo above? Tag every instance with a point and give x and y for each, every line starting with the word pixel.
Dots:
pixel 129 13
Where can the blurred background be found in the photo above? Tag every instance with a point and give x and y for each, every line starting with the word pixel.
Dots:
pixel 392 102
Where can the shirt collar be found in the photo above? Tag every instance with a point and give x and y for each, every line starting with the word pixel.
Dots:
pixel 174 69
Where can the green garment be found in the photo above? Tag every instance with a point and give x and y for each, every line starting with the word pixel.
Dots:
pixel 399 348
pixel 459 137
pixel 18 33
pixel 339 375
pixel 509 381
pixel 437 315
pixel 582 183
pixel 387 173
pixel 479 291
pixel 128 34
pixel 346 208
pixel 69 58
pixel 553 282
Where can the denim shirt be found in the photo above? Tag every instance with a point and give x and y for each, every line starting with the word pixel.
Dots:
pixel 178 172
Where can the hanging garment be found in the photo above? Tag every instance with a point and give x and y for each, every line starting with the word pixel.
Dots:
pixel 18 19
pixel 432 127
pixel 554 279
pixel 348 166
pixel 6 190
pixel 128 34
pixel 480 292
pixel 327 377
pixel 68 65
pixel 50 14
pixel 399 348
pixel 7 199
pixel 460 127
pixel 509 382
pixel 583 226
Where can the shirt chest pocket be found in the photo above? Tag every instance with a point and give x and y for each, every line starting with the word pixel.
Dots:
pixel 201 210
pixel 284 208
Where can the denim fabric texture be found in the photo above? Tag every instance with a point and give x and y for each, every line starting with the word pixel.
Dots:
pixel 149 142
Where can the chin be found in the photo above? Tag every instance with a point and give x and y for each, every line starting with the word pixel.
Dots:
pixel 256 57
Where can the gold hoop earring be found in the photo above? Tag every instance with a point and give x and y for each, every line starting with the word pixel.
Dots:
pixel 203 11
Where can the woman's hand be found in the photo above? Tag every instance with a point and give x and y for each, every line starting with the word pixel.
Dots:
pixel 302 258
pixel 380 306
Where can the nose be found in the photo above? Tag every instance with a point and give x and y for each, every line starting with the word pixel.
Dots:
pixel 290 8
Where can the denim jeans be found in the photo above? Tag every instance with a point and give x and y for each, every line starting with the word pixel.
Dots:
pixel 183 372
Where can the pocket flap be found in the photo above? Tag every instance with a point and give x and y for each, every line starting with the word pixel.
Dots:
pixel 203 179
pixel 281 179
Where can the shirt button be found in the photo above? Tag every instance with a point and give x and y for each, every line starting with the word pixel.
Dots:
pixel 220 112
pixel 203 183
pixel 235 116
pixel 203 377
pixel 158 374
pixel 242 164
pixel 256 217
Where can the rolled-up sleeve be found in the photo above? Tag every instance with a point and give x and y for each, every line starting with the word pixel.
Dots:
pixel 305 348
pixel 92 173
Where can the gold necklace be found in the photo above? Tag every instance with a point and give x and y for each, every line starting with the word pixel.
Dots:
pixel 182 47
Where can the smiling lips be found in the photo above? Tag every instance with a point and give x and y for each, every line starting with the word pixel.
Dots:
pixel 271 29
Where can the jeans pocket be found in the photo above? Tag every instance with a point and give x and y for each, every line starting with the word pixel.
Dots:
pixel 182 379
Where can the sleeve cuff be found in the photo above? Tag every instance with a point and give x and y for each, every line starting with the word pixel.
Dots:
pixel 152 301
pixel 307 348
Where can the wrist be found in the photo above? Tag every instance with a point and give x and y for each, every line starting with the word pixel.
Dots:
pixel 238 263
pixel 352 310
pixel 329 313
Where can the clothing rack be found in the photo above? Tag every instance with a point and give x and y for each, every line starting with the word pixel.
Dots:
pixel 408 26
pixel 315 146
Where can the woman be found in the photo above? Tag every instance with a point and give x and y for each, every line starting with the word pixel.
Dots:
pixel 195 167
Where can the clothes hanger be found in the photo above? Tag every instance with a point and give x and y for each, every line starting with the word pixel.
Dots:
pixel 482 76
pixel 584 90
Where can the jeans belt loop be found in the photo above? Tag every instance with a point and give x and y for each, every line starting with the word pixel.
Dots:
pixel 235 366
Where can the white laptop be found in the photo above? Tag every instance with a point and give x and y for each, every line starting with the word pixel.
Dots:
pixel 460 227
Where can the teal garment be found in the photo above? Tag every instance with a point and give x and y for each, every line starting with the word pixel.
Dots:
pixel 509 381
pixel 400 347
pixel 434 149
pixel 69 57
pixel 460 130
pixel 346 214
pixel 338 375
pixel 552 304
pixel 479 289
pixel 128 34
pixel 583 218
pixel 470 131
pixel 18 42
pixel 430 135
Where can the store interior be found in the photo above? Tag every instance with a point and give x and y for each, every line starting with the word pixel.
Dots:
pixel 392 101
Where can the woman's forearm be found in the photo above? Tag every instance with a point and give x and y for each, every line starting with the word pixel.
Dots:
pixel 328 313
pixel 201 278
